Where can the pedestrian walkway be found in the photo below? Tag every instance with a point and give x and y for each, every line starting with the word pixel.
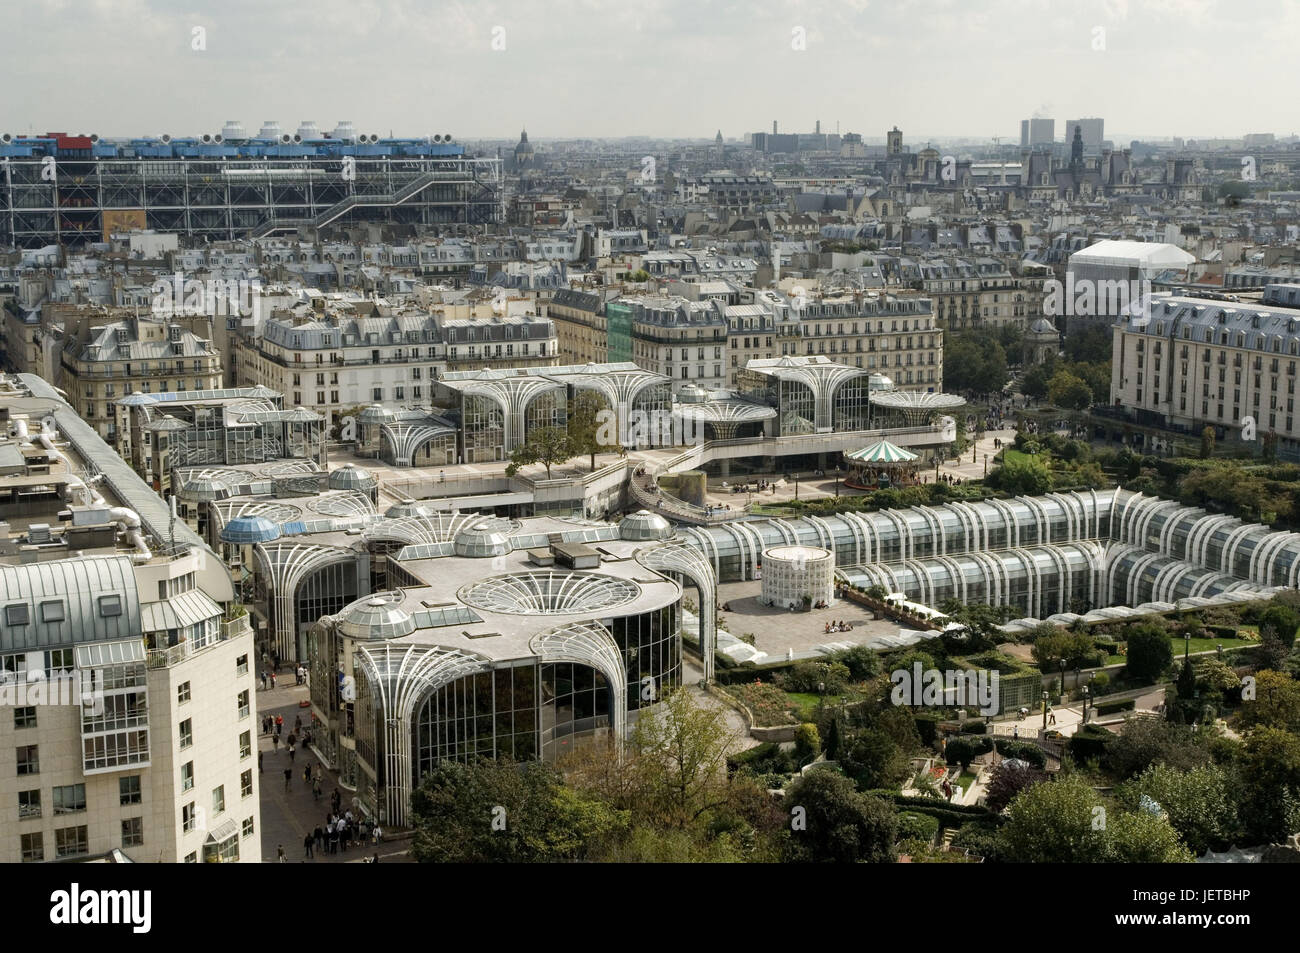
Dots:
pixel 289 815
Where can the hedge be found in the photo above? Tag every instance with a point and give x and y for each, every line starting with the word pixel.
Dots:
pixel 1090 742
pixel 916 825
pixel 1109 708
pixel 926 723
pixel 1022 750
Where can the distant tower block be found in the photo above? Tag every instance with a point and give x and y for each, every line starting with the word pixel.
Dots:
pixel 895 140
pixel 792 572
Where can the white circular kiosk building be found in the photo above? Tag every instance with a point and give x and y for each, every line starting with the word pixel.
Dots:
pixel 793 574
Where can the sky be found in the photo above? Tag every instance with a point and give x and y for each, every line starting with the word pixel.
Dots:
pixel 658 68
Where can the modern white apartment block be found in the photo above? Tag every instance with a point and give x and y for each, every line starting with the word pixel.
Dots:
pixel 127 695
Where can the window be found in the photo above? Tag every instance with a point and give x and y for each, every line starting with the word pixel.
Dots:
pixel 29 761
pixel 25 717
pixel 187 775
pixel 132 831
pixel 192 857
pixel 71 841
pixel 29 804
pixel 248 827
pixel 245 745
pixel 19 613
pixel 182 693
pixel 188 817
pixel 52 611
pixel 110 606
pixel 128 789
pixel 243 703
pixel 69 799
pixel 219 799
pixel 241 665
pixel 187 733
pixel 33 847
pixel 246 784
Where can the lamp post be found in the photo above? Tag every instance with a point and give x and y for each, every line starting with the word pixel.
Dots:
pixel 1044 711
pixel 1062 677
pixel 1187 646
pixel 1086 693
pixel 796 486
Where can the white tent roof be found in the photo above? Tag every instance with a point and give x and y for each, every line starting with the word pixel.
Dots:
pixel 1155 255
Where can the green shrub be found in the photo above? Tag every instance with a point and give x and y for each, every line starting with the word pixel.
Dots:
pixel 1109 708
pixel 814 677
pixel 1089 743
pixel 974 726
pixel 926 726
pixel 1022 750
pixel 807 743
pixel 913 825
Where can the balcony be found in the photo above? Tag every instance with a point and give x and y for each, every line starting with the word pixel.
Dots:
pixel 232 628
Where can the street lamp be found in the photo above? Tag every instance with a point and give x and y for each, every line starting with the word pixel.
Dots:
pixel 796 486
pixel 1044 711
pixel 1086 693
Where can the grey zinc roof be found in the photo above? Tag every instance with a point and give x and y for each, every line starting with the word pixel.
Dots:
pixel 80 586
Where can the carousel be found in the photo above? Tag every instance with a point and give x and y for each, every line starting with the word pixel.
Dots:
pixel 879 466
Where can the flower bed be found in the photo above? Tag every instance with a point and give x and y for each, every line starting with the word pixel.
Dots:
pixel 769 705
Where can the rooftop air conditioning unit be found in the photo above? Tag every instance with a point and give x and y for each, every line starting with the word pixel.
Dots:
pixel 165 137
pixel 218 138
pixel 94 137
pixel 286 138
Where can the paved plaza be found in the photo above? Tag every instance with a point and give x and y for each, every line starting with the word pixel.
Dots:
pixel 288 815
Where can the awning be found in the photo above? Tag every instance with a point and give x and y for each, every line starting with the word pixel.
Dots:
pixel 179 612
pixel 223 832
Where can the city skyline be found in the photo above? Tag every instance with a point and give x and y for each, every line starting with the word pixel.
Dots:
pixel 739 66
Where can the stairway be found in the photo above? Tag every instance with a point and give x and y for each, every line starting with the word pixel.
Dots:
pixel 339 208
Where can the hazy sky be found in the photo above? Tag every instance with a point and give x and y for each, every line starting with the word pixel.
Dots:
pixel 651 67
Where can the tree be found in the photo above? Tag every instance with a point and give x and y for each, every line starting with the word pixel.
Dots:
pixel 545 445
pixel 1148 739
pixel 585 420
pixel 872 759
pixel 1052 646
pixel 1283 620
pixel 1207 443
pixel 807 743
pixel 1027 477
pixel 1150 652
pixel 974 361
pixel 681 754
pixel 1200 803
pixel 1141 837
pixel 1068 391
pixel 1276 702
pixel 1088 345
pixel 1009 778
pixel 1269 790
pixel 1054 823
pixel 833 823
pixel 501 812
pixel 1034 383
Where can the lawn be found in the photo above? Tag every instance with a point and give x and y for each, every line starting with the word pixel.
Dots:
pixel 1016 456
pixel 1198 645
pixel 807 703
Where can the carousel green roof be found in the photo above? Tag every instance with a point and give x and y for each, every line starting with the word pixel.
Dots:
pixel 882 452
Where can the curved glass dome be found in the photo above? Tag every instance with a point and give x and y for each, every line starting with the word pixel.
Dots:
pixel 379 616
pixel 549 592
pixel 408 508
pixel 374 414
pixel 203 489
pixel 137 399
pixel 879 382
pixel 692 394
pixel 250 529
pixel 482 539
pixel 644 525
pixel 352 477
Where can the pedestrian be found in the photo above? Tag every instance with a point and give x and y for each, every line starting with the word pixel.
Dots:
pixel 263 679
pixel 306 774
pixel 273 679
pixel 297 724
pixel 374 859
pixel 288 777
pixel 319 835
pixel 279 854
pixel 377 835
pixel 307 845
pixel 315 789
pixel 259 761
pixel 275 742
pixel 291 751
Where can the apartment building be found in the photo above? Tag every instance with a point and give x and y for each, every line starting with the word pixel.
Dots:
pixel 126 664
pixel 100 362
pixel 360 353
pixel 1183 363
